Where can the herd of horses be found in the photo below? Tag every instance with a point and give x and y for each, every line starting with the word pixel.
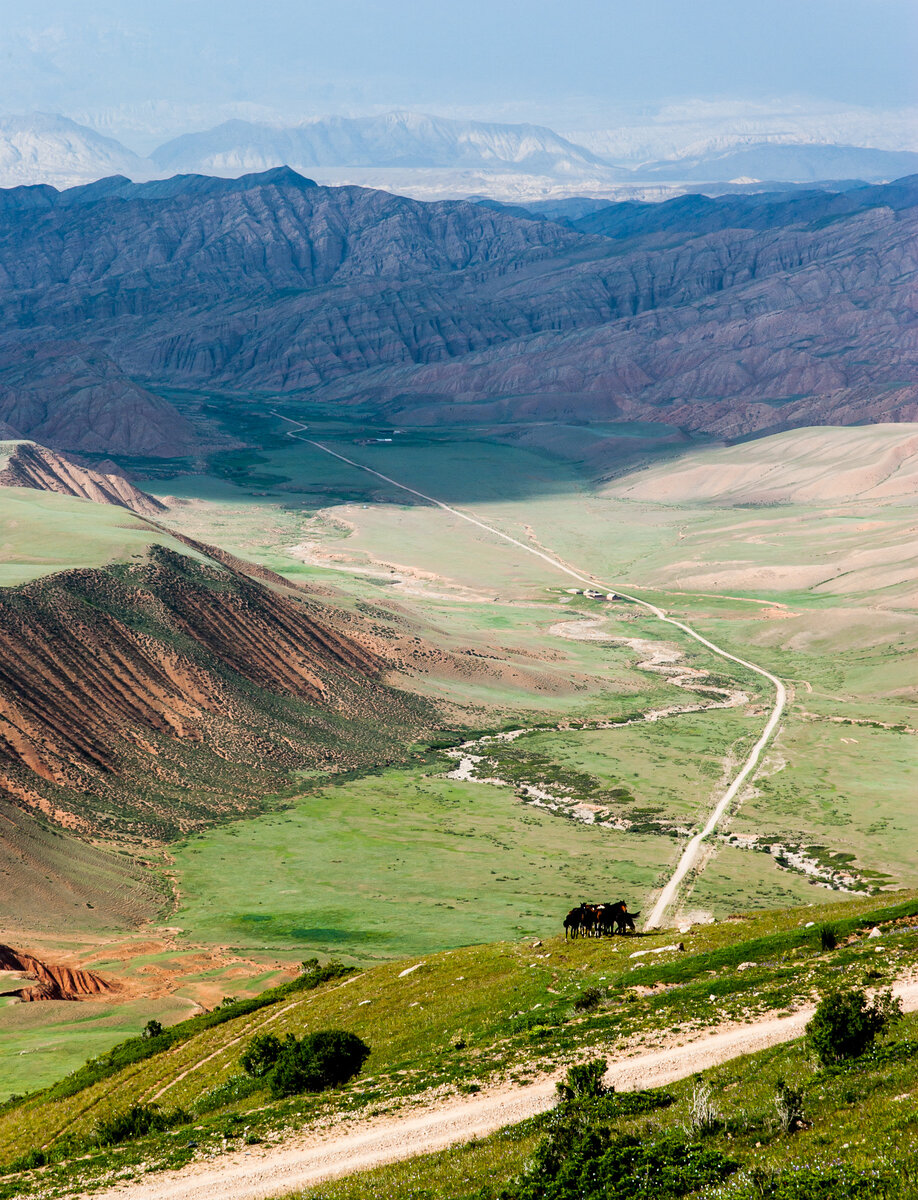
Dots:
pixel 595 920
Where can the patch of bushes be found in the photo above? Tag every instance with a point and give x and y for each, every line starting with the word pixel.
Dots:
pixel 584 1080
pixel 237 1087
pixel 846 1025
pixel 598 1165
pixel 136 1122
pixel 318 1061
pixel 154 1039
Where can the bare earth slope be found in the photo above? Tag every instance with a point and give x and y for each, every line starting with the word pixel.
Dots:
pixel 821 465
pixel 26 464
pixel 119 687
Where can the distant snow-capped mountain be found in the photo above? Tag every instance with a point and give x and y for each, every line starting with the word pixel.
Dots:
pixel 46 148
pixel 397 140
pixel 429 158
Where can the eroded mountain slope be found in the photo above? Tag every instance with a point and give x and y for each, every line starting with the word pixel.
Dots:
pixel 156 698
pixel 269 283
pixel 28 465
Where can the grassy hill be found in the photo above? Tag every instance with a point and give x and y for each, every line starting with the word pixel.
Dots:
pixel 461 1020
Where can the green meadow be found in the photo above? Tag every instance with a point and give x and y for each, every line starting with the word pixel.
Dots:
pixel 401 863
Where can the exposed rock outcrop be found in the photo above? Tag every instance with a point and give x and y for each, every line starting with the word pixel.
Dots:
pixel 28 465
pixel 53 981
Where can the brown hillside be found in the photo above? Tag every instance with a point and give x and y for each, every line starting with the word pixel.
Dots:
pixel 28 465
pixel 151 699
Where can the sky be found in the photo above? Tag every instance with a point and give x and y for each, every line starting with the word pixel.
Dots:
pixel 139 68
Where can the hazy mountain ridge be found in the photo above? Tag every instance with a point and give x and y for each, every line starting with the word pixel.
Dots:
pixel 432 157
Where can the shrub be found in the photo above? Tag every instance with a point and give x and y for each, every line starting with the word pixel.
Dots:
pixel 584 1080
pixel 589 999
pixel 260 1055
pixel 321 1060
pixel 789 1107
pixel 237 1087
pixel 828 937
pixel 846 1024
pixel 703 1116
pixel 136 1122
pixel 598 1166
pixel 152 1029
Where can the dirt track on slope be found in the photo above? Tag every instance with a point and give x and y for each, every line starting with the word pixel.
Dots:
pixel 307 1159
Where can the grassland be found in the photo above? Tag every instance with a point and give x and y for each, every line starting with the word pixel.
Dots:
pixel 400 863
pixel 860 1137
pixel 41 1043
pixel 465 1018
pixel 351 865
pixel 41 532
pixel 841 626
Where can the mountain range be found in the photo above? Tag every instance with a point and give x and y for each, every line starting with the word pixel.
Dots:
pixel 728 316
pixel 428 157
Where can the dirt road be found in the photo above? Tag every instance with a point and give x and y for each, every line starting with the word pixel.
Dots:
pixel 690 855
pixel 304 1160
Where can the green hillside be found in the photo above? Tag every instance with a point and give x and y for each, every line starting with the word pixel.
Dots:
pixel 462 1020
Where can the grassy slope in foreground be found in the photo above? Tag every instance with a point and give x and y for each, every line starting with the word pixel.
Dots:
pixel 473 1016
pixel 42 532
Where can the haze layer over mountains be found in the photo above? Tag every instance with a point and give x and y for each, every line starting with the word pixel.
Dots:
pixel 439 158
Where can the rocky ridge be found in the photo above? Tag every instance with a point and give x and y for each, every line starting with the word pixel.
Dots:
pixel 148 700
pixel 28 465
pixel 52 981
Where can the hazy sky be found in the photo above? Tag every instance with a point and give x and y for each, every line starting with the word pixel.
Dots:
pixel 566 62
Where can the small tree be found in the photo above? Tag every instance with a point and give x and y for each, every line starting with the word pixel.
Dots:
pixel 321 1060
pixel 152 1029
pixel 846 1024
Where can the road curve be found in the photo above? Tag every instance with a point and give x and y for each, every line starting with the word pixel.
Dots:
pixel 303 1161
pixel 690 854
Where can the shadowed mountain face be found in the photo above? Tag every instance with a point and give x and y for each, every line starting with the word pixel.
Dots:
pixel 728 321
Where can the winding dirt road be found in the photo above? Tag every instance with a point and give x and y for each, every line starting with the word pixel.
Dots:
pixel 690 855
pixel 305 1160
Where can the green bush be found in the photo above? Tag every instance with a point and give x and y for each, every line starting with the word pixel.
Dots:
pixel 589 999
pixel 828 937
pixel 319 1061
pixel 260 1055
pixel 584 1080
pixel 845 1024
pixel 598 1166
